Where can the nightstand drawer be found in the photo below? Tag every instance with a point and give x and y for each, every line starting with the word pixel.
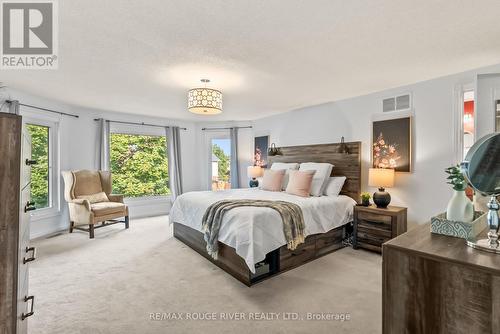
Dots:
pixel 375 218
pixel 375 229
pixel 374 225
pixel 372 239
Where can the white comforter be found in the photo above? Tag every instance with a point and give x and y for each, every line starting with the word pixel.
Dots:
pixel 254 232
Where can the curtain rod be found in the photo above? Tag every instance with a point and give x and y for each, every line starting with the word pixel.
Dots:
pixel 44 109
pixel 142 123
pixel 233 127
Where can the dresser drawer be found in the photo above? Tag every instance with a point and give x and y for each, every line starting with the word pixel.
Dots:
pixel 306 251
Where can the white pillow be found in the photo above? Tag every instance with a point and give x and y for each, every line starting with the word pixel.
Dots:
pixel 287 166
pixel 334 185
pixel 323 172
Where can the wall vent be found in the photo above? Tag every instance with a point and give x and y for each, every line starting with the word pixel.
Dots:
pixel 396 103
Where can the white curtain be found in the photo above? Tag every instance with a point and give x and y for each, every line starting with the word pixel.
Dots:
pixel 103 157
pixel 235 166
pixel 174 160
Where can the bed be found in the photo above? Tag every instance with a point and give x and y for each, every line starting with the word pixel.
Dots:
pixel 251 241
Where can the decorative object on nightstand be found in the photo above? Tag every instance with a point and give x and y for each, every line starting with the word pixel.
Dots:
pixel 459 207
pixel 254 172
pixel 480 167
pixel 365 199
pixel 373 226
pixel 381 178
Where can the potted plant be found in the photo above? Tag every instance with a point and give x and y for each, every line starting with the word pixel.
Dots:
pixel 459 208
pixel 365 199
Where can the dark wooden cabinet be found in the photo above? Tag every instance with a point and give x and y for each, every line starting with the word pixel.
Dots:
pixel 434 283
pixel 16 305
pixel 373 226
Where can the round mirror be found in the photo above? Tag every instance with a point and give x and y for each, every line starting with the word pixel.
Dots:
pixel 482 165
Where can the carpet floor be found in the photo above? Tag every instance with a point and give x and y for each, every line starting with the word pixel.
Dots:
pixel 142 280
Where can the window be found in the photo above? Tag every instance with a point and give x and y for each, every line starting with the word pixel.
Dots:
pixel 139 165
pixel 45 181
pixel 40 173
pixel 221 164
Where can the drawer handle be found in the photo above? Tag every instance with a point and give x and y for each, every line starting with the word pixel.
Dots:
pixel 30 162
pixel 30 206
pixel 31 312
pixel 33 255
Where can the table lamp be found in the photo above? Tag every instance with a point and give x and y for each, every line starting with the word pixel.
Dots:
pixel 381 178
pixel 254 172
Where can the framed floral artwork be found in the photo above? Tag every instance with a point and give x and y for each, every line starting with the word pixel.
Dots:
pixel 261 145
pixel 391 144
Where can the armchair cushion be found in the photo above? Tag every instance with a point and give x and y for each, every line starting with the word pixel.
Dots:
pixel 115 198
pixel 86 182
pixel 95 198
pixel 108 208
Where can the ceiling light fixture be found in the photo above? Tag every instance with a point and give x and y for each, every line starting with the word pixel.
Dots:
pixel 205 101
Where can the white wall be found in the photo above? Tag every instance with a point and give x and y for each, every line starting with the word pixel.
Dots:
pixel 424 191
pixel 78 140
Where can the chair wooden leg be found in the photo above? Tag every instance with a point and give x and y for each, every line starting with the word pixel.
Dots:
pixel 71 225
pixel 126 221
pixel 91 231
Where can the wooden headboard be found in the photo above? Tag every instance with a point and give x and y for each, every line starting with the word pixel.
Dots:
pixel 348 165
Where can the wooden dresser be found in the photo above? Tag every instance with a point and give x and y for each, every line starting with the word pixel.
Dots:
pixel 437 284
pixel 16 305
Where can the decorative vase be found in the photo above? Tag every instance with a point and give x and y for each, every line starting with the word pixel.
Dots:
pixel 460 208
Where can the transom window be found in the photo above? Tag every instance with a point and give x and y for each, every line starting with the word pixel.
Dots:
pixel 139 165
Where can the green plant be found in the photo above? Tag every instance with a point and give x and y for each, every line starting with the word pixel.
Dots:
pixel 366 196
pixel 456 178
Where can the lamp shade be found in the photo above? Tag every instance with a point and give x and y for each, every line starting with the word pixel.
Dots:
pixel 204 101
pixel 381 177
pixel 254 171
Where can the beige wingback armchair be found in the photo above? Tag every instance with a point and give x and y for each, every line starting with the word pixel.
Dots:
pixel 90 201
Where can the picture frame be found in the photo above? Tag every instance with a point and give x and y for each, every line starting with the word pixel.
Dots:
pixel 392 144
pixel 260 151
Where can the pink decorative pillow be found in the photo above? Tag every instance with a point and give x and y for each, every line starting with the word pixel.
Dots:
pixel 300 182
pixel 272 179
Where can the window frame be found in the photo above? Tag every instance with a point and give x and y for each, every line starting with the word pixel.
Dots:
pixel 53 123
pixel 139 130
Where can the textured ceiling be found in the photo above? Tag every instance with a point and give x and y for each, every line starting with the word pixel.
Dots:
pixel 266 56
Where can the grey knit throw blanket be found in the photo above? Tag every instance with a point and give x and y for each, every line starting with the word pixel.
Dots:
pixel 291 214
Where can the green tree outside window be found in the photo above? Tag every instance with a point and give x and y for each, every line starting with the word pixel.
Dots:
pixel 40 171
pixel 139 165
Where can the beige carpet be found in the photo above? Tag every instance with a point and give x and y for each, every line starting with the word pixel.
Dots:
pixel 111 285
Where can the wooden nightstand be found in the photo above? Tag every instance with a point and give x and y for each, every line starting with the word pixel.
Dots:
pixel 374 226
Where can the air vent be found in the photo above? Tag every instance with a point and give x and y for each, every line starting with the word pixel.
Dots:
pixel 397 103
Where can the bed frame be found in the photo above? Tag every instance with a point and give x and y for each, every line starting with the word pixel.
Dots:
pixel 316 245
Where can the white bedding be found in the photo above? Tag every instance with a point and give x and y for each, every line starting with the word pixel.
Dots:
pixel 254 232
